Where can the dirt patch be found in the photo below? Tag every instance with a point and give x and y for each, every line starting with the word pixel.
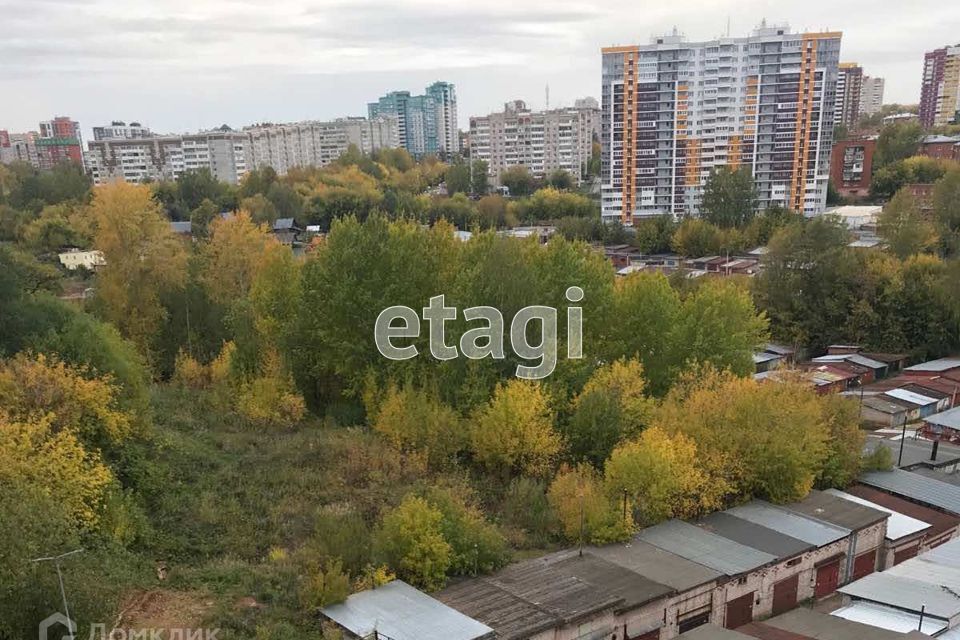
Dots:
pixel 163 609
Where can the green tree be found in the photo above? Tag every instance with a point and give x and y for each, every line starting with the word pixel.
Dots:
pixel 458 178
pixel 729 197
pixel 479 178
pixel 946 211
pixel 905 228
pixel 410 540
pixel 612 406
pixel 552 204
pixel 518 180
pixel 476 545
pixel 896 142
pixel 561 179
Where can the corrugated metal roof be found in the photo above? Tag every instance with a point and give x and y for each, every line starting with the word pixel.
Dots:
pixel 898 525
pixel 950 418
pixel 693 543
pixel 658 565
pixel 802 527
pixel 754 535
pixel 947 554
pixel 940 522
pixel 910 396
pixel 764 357
pixel 401 612
pixel 925 570
pixel 881 405
pixel 855 358
pixel 813 624
pixel 904 593
pixel 877 615
pixel 916 487
pixel 836 511
pixel 942 364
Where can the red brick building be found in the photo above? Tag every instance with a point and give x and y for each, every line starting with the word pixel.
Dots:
pixel 851 167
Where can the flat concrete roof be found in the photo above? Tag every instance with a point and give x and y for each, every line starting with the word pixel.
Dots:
pixel 658 565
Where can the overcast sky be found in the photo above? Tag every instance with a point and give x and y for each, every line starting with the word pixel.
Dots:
pixel 184 65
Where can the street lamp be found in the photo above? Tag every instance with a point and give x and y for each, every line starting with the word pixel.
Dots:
pixel 71 626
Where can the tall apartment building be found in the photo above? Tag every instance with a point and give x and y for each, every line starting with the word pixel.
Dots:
pixel 940 87
pixel 673 111
pixel 542 141
pixel 58 140
pixel 304 144
pixel 119 129
pixel 230 154
pixel 444 95
pixel 849 93
pixel 223 151
pixel 18 147
pixel 427 123
pixel 871 95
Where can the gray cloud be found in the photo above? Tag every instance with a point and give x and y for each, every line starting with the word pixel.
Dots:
pixel 243 60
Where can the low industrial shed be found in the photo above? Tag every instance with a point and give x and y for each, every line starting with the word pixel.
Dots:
pixel 832 544
pixel 868 528
pixel 563 595
pixel 904 533
pixel 748 570
pixel 694 584
pixel 943 525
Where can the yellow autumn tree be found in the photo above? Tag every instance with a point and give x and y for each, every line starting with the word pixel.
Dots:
pixel 70 397
pixel 35 453
pixel 413 420
pixel 660 476
pixel 765 440
pixel 143 259
pixel 514 433
pixel 584 510
pixel 232 256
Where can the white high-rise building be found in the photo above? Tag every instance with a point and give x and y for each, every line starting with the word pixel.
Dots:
pixel 230 154
pixel 674 110
pixel 871 95
pixel 119 130
pixel 542 141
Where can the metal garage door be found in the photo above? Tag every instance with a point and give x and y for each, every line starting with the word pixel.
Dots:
pixel 905 554
pixel 739 612
pixel 828 579
pixel 785 594
pixel 693 622
pixel 864 564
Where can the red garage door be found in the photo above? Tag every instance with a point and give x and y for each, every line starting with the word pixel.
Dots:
pixel 785 594
pixel 864 564
pixel 649 635
pixel 739 612
pixel 905 554
pixel 828 578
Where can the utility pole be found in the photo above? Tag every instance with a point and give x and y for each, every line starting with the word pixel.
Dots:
pixel 71 625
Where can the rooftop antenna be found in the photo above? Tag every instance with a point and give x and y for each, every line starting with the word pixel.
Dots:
pixel 548 96
pixel 71 625
pixel 728 26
